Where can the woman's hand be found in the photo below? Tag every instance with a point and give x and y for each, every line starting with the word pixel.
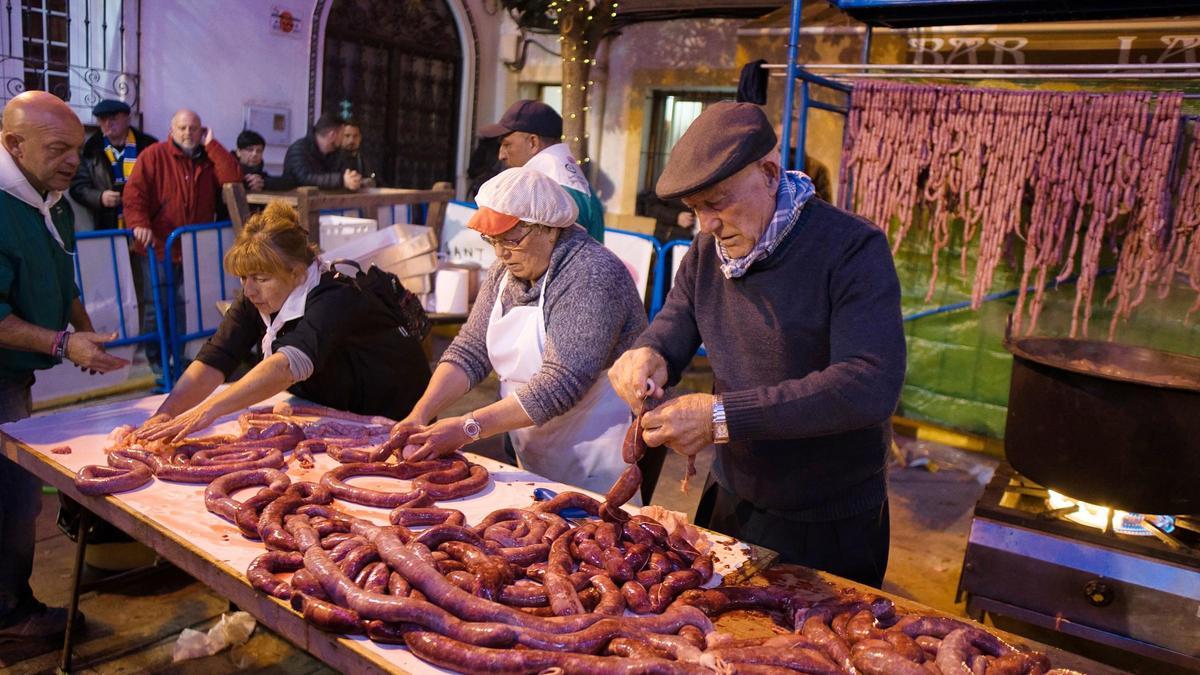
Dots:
pixel 155 421
pixel 178 428
pixel 439 439
pixel 402 430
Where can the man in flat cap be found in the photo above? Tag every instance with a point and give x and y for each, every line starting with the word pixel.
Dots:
pixel 108 160
pixel 798 305
pixel 530 134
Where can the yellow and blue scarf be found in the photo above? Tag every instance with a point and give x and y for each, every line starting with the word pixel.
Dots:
pixel 122 161
pixel 122 164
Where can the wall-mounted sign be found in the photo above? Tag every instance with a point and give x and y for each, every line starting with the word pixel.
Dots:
pixel 285 22
pixel 272 121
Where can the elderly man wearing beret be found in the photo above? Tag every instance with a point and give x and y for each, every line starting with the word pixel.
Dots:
pixel 798 305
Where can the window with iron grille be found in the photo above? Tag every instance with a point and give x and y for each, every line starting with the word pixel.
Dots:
pixel 672 112
pixel 45 28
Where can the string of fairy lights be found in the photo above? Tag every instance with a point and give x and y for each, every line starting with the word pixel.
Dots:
pixel 579 52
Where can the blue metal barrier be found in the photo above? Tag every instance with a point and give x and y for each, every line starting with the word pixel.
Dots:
pixel 662 269
pixel 656 288
pixel 124 338
pixel 167 295
pixel 661 274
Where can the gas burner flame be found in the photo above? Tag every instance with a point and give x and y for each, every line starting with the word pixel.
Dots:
pixel 1095 516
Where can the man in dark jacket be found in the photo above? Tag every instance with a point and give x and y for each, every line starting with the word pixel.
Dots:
pixel 672 220
pixel 352 155
pixel 315 160
pixel 250 146
pixel 108 160
pixel 798 305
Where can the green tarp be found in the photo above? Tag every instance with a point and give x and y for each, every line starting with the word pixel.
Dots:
pixel 958 371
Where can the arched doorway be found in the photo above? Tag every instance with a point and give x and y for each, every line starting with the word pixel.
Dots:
pixel 397 65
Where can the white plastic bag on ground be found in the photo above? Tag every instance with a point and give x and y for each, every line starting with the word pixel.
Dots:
pixel 232 630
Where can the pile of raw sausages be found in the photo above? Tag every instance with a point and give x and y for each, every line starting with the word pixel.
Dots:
pixel 1053 178
pixel 525 590
pixel 266 435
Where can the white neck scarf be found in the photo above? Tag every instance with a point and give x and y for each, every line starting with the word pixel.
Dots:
pixel 16 184
pixel 293 307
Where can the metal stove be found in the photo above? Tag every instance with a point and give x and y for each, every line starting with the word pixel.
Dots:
pixel 1124 580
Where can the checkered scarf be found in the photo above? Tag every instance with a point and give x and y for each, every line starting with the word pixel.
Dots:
pixel 795 189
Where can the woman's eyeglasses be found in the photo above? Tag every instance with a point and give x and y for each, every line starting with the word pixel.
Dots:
pixel 507 244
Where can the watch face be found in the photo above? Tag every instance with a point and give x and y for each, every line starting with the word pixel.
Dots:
pixel 471 427
pixel 720 433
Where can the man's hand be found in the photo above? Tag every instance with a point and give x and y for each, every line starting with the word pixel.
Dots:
pixel 686 219
pixel 110 198
pixel 631 372
pixel 86 350
pixel 352 179
pixel 439 439
pixel 143 236
pixel 206 135
pixel 254 182
pixel 683 424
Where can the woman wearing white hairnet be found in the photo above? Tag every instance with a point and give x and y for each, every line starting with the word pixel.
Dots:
pixel 553 314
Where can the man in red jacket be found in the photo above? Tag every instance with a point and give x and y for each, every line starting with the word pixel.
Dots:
pixel 175 182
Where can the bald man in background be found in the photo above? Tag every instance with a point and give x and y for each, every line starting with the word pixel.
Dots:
pixel 175 182
pixel 39 154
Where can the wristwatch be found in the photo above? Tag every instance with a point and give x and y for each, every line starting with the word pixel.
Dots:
pixel 719 426
pixel 472 428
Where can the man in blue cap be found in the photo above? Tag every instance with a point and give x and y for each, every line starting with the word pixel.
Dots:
pixel 108 160
pixel 530 134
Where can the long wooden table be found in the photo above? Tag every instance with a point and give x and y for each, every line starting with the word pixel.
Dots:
pixel 309 202
pixel 171 519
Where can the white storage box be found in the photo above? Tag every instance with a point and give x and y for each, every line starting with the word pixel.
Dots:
pixel 339 230
pixel 404 250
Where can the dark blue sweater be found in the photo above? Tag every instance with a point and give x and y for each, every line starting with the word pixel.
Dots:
pixel 807 350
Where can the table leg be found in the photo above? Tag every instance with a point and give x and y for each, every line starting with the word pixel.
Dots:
pixel 85 518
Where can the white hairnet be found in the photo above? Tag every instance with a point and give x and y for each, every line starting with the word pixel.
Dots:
pixel 529 195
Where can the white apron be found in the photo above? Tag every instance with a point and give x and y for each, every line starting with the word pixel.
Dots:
pixel 583 445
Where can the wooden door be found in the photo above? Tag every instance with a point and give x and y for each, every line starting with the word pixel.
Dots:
pixel 397 66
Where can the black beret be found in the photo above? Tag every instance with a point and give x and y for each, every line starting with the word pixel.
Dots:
pixel 109 107
pixel 723 140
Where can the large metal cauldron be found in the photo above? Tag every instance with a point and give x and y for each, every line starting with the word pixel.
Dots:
pixel 1106 423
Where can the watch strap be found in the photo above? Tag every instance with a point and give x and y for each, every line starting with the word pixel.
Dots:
pixel 720 425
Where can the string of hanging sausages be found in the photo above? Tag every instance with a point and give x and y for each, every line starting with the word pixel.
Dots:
pixel 1185 257
pixel 1070 174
